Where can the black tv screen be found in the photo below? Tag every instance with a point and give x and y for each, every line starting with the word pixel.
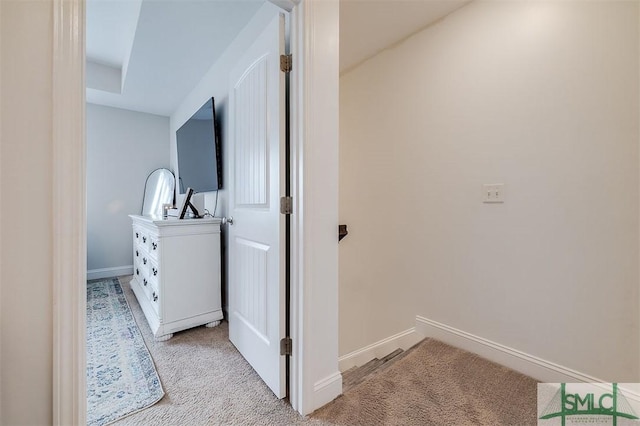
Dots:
pixel 198 147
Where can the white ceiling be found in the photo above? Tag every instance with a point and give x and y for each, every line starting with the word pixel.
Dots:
pixel 147 55
pixel 150 56
pixel 111 29
pixel 369 26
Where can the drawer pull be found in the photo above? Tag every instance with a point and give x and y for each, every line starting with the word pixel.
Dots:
pixel 144 239
pixel 137 235
pixel 144 260
pixel 137 254
pixel 154 245
pixel 137 271
pixel 144 281
pixel 155 297
pixel 155 271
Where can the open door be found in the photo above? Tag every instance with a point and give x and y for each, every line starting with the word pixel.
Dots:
pixel 257 229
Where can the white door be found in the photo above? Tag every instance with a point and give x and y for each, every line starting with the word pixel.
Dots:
pixel 256 236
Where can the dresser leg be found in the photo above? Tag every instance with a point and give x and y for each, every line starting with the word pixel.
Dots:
pixel 212 324
pixel 163 338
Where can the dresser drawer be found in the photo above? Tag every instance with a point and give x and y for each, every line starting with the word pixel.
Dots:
pixel 146 286
pixel 154 285
pixel 140 237
pixel 155 302
pixel 138 254
pixel 145 260
pixel 141 257
pixel 137 236
pixel 154 272
pixel 154 246
pixel 137 270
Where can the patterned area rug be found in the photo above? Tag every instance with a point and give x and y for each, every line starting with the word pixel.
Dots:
pixel 121 377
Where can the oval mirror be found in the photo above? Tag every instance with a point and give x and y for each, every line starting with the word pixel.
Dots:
pixel 158 190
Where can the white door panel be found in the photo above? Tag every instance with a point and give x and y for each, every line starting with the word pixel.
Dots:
pixel 256 238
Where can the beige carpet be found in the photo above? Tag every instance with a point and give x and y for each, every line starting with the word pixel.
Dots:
pixel 207 382
pixel 436 384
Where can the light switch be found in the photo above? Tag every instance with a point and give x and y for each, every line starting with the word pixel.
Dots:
pixel 493 193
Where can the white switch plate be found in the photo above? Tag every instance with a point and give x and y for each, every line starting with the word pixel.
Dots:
pixel 493 193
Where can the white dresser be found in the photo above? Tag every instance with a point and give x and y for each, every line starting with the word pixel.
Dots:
pixel 176 273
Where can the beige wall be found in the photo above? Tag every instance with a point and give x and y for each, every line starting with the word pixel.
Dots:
pixel 25 212
pixel 540 96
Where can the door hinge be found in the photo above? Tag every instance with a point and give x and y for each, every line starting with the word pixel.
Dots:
pixel 286 63
pixel 286 205
pixel 286 346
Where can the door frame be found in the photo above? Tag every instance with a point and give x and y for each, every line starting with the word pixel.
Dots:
pixel 314 376
pixel 69 213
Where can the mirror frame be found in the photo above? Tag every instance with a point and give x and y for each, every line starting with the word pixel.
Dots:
pixel 159 189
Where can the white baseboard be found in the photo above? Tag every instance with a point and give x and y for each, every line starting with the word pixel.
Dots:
pixel 327 389
pixel 539 369
pixel 403 340
pixel 96 274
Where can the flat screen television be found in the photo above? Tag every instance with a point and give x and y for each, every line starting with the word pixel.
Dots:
pixel 198 148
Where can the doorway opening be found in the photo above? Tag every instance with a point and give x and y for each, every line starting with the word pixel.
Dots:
pixel 155 123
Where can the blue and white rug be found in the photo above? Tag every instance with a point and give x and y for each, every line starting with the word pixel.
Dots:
pixel 121 377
